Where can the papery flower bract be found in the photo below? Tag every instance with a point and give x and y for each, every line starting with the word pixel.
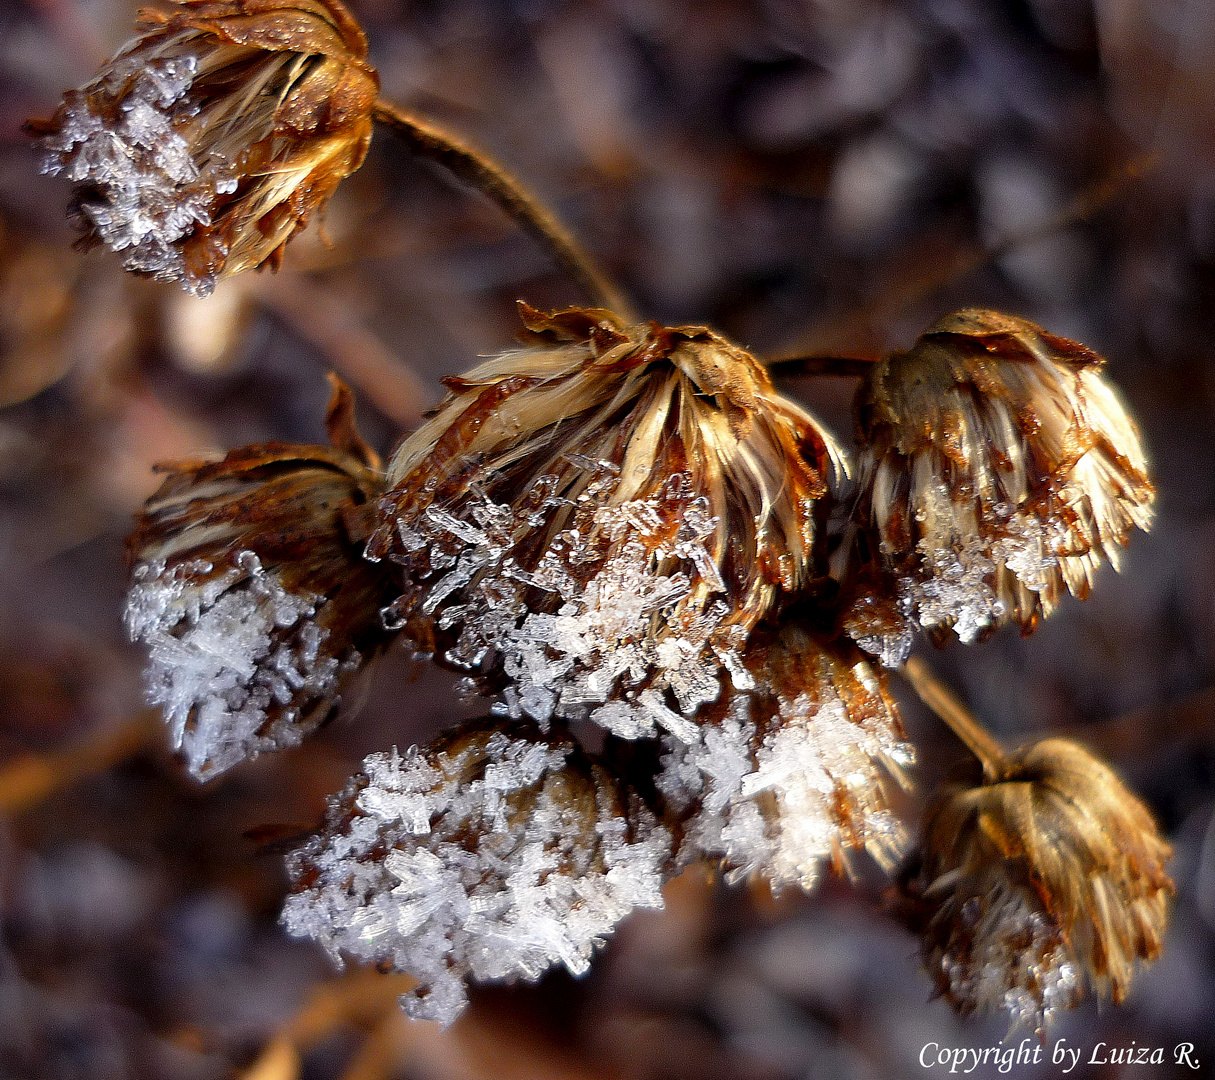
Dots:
pixel 1032 889
pixel 598 519
pixel 210 139
pixel 997 470
pixel 495 853
pixel 795 773
pixel 251 594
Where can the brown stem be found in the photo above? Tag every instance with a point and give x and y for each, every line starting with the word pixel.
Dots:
pixel 474 167
pixel 942 701
pixel 856 367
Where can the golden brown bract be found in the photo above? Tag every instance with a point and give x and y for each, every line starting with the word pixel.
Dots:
pixel 598 466
pixel 997 471
pixel 1039 886
pixel 206 143
pixel 250 591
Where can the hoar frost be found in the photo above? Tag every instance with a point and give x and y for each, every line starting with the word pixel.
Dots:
pixel 490 856
pixel 235 660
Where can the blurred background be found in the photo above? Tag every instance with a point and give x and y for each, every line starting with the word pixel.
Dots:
pixel 806 175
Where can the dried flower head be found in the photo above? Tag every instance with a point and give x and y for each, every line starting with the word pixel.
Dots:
pixel 997 470
pixel 493 854
pixel 796 772
pixel 213 136
pixel 598 519
pixel 1038 886
pixel 251 594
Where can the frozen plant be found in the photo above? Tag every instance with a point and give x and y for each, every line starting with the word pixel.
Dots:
pixel 620 522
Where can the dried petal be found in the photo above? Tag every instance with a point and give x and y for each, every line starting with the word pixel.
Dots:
pixel 251 595
pixel 997 470
pixel 796 772
pixel 493 854
pixel 1032 889
pixel 207 141
pixel 598 519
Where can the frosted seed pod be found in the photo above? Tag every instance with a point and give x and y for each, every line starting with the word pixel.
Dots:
pixel 1038 887
pixel 251 595
pixel 493 854
pixel 997 471
pixel 795 773
pixel 213 136
pixel 594 522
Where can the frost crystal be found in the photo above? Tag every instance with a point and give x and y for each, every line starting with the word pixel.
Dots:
pixel 145 193
pixel 790 775
pixel 235 660
pixel 492 855
pixel 604 623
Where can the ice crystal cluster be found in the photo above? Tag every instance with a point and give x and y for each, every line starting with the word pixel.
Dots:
pixel 790 776
pixel 997 472
pixel 234 659
pixel 210 139
pixel 1042 883
pixel 494 854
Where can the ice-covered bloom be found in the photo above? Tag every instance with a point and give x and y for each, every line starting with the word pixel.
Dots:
pixel 494 854
pixel 1039 886
pixel 795 773
pixel 593 522
pixel 207 141
pixel 251 595
pixel 997 470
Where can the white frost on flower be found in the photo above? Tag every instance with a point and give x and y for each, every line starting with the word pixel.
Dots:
pixel 779 792
pixel 617 628
pixel 143 191
pixel 492 859
pixel 235 660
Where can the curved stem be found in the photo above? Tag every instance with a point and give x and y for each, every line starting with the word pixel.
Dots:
pixel 946 704
pixel 474 167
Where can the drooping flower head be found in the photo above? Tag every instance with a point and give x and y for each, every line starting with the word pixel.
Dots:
pixel 599 518
pixel 795 773
pixel 251 595
pixel 206 142
pixel 493 854
pixel 997 471
pixel 1039 886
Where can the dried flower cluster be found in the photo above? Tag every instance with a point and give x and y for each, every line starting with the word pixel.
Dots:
pixel 623 523
pixel 997 471
pixel 213 136
pixel 1040 884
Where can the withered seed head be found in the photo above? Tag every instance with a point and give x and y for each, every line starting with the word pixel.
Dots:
pixel 601 516
pixel 997 470
pixel 251 594
pixel 795 773
pixel 213 136
pixel 493 854
pixel 1039 886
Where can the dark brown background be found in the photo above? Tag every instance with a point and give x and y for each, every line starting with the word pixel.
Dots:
pixel 818 173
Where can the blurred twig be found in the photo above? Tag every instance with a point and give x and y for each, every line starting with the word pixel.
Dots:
pixel 27 780
pixel 949 707
pixel 804 352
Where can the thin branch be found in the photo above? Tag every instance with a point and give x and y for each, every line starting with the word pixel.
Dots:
pixel 474 167
pixel 27 780
pixel 946 704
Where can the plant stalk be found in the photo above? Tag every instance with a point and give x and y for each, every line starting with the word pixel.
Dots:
pixel 476 168
pixel 946 704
